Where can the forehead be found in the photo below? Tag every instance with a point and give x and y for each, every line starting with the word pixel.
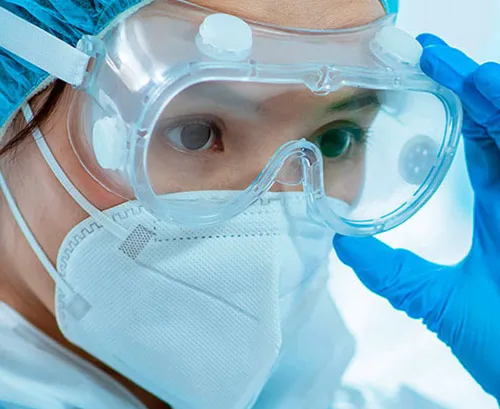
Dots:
pixel 258 94
pixel 312 14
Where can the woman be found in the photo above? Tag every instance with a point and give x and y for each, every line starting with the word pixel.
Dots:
pixel 182 194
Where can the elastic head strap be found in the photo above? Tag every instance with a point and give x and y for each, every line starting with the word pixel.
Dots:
pixel 42 49
pixel 56 57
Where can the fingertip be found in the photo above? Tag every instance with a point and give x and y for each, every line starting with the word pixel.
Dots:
pixel 434 62
pixel 345 248
pixel 487 80
pixel 448 66
pixel 371 260
pixel 336 239
pixel 341 242
pixel 346 243
pixel 400 276
pixel 342 247
pixel 358 252
pixel 427 64
pixel 429 40
pixel 487 74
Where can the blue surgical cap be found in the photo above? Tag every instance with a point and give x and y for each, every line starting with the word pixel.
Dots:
pixel 391 6
pixel 68 20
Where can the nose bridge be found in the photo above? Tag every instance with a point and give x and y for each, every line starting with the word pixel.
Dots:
pixel 291 174
pixel 297 160
pixel 273 132
pixel 270 143
pixel 282 167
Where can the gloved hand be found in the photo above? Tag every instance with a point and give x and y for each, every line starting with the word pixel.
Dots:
pixel 461 304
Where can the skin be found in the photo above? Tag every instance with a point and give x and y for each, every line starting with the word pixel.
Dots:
pixel 51 212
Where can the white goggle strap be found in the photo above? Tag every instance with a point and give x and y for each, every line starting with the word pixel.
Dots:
pixel 42 49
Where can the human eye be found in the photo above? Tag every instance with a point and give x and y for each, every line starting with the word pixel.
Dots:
pixel 337 139
pixel 194 134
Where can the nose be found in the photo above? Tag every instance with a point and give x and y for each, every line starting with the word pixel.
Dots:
pixel 290 176
pixel 302 159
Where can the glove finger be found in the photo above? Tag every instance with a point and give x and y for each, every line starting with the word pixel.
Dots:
pixel 487 80
pixel 429 40
pixel 447 65
pixel 483 160
pixel 410 283
pixel 455 70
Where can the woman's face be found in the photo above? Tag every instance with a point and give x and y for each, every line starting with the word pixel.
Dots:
pixel 220 136
pixel 51 212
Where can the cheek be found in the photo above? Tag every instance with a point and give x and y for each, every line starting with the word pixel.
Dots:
pixel 49 211
pixel 357 179
pixel 346 180
pixel 94 192
pixel 100 197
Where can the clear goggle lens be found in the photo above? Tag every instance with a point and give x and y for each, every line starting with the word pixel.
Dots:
pixel 366 153
pixel 377 148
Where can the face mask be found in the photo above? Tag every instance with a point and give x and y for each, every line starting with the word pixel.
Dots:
pixel 199 317
pixel 316 350
pixel 204 318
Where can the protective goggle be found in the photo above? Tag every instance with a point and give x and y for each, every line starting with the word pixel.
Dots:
pixel 177 99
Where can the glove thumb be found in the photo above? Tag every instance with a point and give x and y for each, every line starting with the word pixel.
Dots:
pixel 410 283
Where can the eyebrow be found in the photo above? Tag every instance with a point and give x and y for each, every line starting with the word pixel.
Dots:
pixel 225 96
pixel 237 101
pixel 356 102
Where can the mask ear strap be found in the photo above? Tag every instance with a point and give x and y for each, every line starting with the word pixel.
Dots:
pixel 77 306
pixel 42 49
pixel 107 222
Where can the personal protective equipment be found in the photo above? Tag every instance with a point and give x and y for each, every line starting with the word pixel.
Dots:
pixel 460 303
pixel 68 20
pixel 37 372
pixel 391 6
pixel 177 99
pixel 214 313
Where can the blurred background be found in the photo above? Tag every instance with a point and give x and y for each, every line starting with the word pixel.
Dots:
pixel 395 353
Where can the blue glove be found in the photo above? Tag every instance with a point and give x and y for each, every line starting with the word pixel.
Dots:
pixel 461 304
